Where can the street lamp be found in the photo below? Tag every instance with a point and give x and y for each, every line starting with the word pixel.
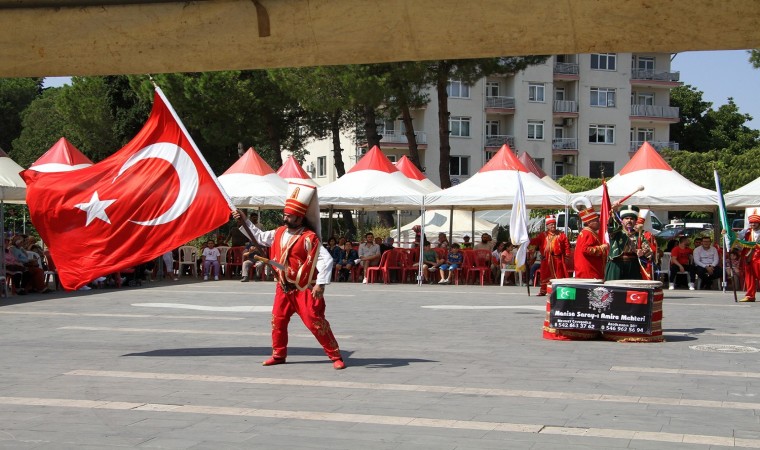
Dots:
pixel 240 149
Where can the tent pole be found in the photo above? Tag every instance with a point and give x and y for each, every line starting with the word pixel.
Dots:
pixel 451 225
pixel 422 245
pixel 472 228
pixel 329 222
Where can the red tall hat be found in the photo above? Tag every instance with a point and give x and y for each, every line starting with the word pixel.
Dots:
pixel 588 214
pixel 299 198
pixel 551 219
pixel 754 217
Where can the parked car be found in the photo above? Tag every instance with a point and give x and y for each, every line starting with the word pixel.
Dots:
pixel 671 234
pixel 737 224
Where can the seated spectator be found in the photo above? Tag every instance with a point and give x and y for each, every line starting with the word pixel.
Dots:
pixel 369 254
pixel 249 260
pixel 453 262
pixel 36 251
pixel 466 242
pixel 680 261
pixel 486 242
pixel 707 262
pixel 14 270
pixel 210 258
pixel 430 262
pixel 346 261
pixel 334 249
pixel 33 277
pixel 507 259
pixel 534 262
pixel 443 241
pixel 386 245
pixel 734 266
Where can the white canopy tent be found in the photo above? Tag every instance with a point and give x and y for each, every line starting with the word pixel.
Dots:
pixel 664 188
pixel 440 222
pixel 251 183
pixel 12 187
pixel 744 197
pixel 373 184
pixel 291 170
pixel 407 167
pixel 495 185
pixel 63 156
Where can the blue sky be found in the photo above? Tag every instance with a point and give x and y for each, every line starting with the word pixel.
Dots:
pixel 718 74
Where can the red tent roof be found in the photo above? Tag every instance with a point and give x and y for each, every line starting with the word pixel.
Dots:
pixel 291 169
pixel 62 152
pixel 504 159
pixel 646 157
pixel 3 154
pixel 374 159
pixel 531 164
pixel 250 163
pixel 407 167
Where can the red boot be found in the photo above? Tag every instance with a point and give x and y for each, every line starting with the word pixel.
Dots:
pixel 273 361
pixel 338 364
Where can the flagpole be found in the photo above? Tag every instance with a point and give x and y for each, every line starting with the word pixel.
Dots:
pixel 195 147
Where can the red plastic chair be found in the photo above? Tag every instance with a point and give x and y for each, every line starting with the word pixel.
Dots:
pixel 480 264
pixel 234 259
pixel 410 257
pixel 388 261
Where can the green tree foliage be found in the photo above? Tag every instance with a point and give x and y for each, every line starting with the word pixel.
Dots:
pixel 15 95
pixel 703 128
pixel 42 126
pixel 735 170
pixel 579 184
pixel 754 58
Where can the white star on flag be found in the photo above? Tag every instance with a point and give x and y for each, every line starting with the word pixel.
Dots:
pixel 96 209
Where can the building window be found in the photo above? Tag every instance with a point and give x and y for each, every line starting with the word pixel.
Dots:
pixel 603 61
pixel 321 166
pixel 603 97
pixel 595 169
pixel 457 89
pixel 492 89
pixel 459 165
pixel 539 162
pixel 559 94
pixel 535 130
pixel 643 134
pixel 535 92
pixel 459 126
pixel 601 134
pixel 392 158
pixel 492 127
pixel 386 127
pixel 645 63
pixel 642 98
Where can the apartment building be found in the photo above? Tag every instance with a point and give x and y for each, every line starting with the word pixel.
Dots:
pixel 575 114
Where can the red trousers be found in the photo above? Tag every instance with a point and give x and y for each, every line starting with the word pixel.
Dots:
pixel 751 276
pixel 551 268
pixel 312 313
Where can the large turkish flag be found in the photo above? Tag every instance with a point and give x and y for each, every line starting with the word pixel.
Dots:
pixel 152 196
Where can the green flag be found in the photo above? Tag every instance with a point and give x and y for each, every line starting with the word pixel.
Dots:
pixel 730 236
pixel 565 293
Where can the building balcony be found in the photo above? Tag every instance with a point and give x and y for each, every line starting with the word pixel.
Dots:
pixel 500 105
pixel 656 113
pixel 497 140
pixel 566 71
pixel 397 137
pixel 562 107
pixel 565 146
pixel 651 78
pixel 658 145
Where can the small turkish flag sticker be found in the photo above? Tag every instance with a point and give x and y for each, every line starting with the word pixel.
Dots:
pixel 637 297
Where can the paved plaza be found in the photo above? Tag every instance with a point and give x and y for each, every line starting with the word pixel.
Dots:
pixel 178 365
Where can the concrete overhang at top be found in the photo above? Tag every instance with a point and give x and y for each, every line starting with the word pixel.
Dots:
pixel 89 37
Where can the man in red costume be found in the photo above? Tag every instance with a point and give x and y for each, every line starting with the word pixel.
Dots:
pixel 590 254
pixel 304 269
pixel 751 257
pixel 554 248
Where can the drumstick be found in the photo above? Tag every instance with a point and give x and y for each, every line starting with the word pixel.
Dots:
pixel 620 202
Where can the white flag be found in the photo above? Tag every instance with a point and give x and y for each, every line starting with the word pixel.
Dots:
pixel 518 225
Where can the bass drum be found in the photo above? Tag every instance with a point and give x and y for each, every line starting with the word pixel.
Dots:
pixel 557 334
pixel 656 330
